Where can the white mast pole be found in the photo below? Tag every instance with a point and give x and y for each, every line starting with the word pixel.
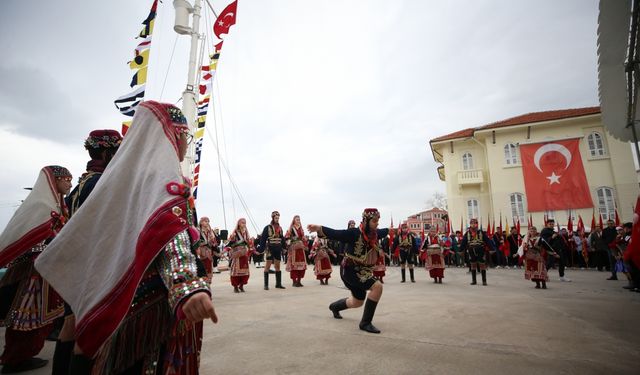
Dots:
pixel 189 95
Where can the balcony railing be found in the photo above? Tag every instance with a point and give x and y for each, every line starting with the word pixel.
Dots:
pixel 470 177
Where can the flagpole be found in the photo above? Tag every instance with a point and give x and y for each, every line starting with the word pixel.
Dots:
pixel 189 96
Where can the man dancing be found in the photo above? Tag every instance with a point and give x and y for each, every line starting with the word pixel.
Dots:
pixel 473 243
pixel 356 269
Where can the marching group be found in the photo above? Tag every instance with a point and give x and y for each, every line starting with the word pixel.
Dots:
pixel 120 274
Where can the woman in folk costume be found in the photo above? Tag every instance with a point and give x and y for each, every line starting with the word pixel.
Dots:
pixel 535 257
pixel 434 259
pixel 28 305
pixel 239 256
pixel 136 293
pixel 296 258
pixel 208 243
pixel 322 263
pixel 356 272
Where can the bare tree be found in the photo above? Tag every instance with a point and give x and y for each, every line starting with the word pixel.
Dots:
pixel 437 200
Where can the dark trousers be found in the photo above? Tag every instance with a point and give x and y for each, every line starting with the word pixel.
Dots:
pixel 561 262
pixel 612 264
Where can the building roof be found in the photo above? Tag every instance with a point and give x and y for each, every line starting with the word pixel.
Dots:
pixel 528 118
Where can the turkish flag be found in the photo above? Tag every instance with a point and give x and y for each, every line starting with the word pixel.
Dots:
pixel 225 20
pixel 632 254
pixel 554 177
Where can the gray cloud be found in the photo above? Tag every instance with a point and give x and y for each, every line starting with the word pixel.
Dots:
pixel 33 104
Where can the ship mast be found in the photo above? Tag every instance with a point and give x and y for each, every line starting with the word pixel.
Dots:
pixel 189 96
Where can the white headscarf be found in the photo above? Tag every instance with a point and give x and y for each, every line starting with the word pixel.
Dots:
pixel 37 219
pixel 97 261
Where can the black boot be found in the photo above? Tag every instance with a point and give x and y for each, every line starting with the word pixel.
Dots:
pixel 484 277
pixel 404 275
pixel 279 280
pixel 80 365
pixel 473 277
pixel 411 275
pixel 544 284
pixel 62 357
pixel 338 306
pixel 537 284
pixel 266 280
pixel 367 316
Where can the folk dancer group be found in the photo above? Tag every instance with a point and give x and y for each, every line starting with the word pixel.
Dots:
pixel 141 306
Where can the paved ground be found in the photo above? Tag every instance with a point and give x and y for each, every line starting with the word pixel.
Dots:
pixel 588 326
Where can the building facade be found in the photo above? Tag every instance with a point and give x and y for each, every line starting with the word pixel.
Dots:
pixel 433 218
pixel 484 178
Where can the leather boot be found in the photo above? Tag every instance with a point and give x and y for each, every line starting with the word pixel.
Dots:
pixel 266 280
pixel 338 306
pixel 404 275
pixel 413 280
pixel 473 277
pixel 544 284
pixel 367 317
pixel 484 277
pixel 62 357
pixel 279 280
pixel 80 365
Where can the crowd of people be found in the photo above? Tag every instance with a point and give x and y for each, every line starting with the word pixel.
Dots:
pixel 119 269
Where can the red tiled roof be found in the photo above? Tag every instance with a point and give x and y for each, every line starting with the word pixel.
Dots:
pixel 523 119
pixel 459 134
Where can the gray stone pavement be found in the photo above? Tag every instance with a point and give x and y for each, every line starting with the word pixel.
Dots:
pixel 588 326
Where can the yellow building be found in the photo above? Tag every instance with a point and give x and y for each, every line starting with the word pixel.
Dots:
pixel 483 172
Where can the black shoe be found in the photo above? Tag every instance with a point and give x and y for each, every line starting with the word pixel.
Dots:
pixel 369 328
pixel 612 278
pixel 280 287
pixel 236 290
pixel 337 306
pixel 241 288
pixel 27 365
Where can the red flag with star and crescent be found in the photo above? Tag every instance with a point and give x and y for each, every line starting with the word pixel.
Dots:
pixel 554 177
pixel 226 19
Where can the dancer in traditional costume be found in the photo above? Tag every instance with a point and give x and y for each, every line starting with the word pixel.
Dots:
pixel 101 145
pixel 136 293
pixel 239 256
pixel 271 243
pixel 434 259
pixel 356 269
pixel 322 262
pixel 535 257
pixel 208 243
pixel 28 304
pixel 296 245
pixel 405 241
pixel 474 242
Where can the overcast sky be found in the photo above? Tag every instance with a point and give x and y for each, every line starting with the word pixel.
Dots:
pixel 323 107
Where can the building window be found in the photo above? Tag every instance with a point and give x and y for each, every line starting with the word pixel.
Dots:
pixel 467 161
pixel 473 211
pixel 510 154
pixel 550 215
pixel 596 145
pixel 606 203
pixel 517 206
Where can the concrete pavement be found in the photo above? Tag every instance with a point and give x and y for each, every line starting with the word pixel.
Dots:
pixel 588 326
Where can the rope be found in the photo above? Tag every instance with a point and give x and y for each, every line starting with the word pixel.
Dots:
pixel 169 66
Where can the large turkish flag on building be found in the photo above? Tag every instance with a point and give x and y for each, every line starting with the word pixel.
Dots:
pixel 554 177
